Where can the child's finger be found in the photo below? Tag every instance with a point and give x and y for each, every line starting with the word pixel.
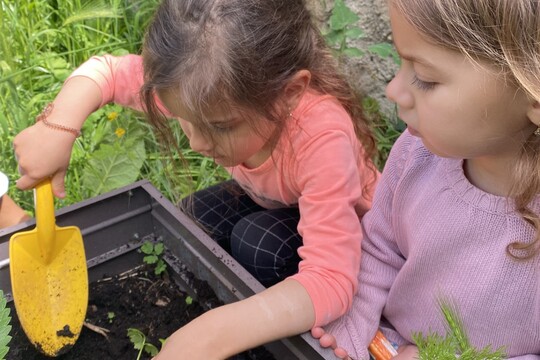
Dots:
pixel 58 185
pixel 25 182
pixel 328 340
pixel 317 332
pixel 341 353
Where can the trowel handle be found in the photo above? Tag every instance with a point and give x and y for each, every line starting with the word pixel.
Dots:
pixel 45 220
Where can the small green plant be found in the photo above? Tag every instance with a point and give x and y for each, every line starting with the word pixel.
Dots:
pixel 342 27
pixel 385 129
pixel 153 256
pixel 189 300
pixel 5 327
pixel 456 342
pixel 110 316
pixel 139 343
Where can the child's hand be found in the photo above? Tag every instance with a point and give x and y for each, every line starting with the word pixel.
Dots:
pixel 407 352
pixel 327 340
pixel 43 152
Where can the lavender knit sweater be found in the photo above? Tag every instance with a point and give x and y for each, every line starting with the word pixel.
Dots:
pixel 432 234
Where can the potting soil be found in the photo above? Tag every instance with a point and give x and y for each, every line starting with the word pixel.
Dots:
pixel 141 300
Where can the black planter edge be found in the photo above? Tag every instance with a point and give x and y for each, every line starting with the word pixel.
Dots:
pixel 115 224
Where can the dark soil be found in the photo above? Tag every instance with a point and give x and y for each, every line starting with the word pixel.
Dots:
pixel 155 306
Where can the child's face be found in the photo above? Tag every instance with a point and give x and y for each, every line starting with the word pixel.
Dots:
pixel 458 108
pixel 227 137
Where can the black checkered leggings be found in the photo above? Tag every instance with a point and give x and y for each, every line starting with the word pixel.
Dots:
pixel 264 241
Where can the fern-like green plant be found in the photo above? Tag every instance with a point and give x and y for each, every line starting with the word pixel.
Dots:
pixel 456 342
pixel 5 327
pixel 138 339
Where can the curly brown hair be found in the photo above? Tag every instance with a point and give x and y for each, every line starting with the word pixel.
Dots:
pixel 243 52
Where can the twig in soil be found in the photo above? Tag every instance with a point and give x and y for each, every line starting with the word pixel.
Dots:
pixel 126 274
pixel 97 329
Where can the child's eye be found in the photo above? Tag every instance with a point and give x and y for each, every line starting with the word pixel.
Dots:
pixel 221 128
pixel 423 85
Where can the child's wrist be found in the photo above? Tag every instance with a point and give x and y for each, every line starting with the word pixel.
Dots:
pixel 43 119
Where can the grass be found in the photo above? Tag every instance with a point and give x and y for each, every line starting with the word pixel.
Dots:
pixel 48 40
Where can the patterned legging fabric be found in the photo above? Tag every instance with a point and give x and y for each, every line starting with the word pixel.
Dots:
pixel 264 241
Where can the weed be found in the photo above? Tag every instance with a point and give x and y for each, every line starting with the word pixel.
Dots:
pixel 342 28
pixel 153 256
pixel 385 129
pixel 110 316
pixel 456 342
pixel 5 327
pixel 139 343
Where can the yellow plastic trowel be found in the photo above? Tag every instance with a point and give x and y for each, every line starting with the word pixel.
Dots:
pixel 49 278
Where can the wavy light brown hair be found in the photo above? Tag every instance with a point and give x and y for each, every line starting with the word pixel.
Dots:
pixel 244 53
pixel 505 33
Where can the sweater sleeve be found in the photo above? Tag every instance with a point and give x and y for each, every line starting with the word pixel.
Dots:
pixel 329 183
pixel 381 262
pixel 119 78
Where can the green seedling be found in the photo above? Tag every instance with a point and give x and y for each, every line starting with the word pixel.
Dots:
pixel 5 327
pixel 110 316
pixel 189 300
pixel 139 343
pixel 153 256
pixel 455 344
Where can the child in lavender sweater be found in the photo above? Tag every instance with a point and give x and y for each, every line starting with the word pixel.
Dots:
pixel 455 215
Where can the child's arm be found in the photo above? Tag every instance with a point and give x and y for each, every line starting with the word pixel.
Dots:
pixel 42 150
pixel 380 263
pixel 282 310
pixel 10 212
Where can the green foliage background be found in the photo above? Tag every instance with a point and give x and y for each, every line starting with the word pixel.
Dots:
pixel 48 40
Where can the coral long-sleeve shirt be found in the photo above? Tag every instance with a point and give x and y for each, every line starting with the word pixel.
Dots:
pixel 432 235
pixel 317 165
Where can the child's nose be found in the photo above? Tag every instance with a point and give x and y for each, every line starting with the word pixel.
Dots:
pixel 199 142
pixel 399 92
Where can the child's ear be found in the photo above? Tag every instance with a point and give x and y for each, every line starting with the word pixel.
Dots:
pixel 534 113
pixel 295 88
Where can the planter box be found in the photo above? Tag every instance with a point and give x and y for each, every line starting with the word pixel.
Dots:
pixel 114 225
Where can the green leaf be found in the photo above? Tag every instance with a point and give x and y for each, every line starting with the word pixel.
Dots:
pixel 160 267
pixel 150 349
pixel 342 16
pixel 5 328
pixel 189 300
pixel 158 248
pixel 136 337
pixel 335 38
pixel 147 248
pixel 353 52
pixel 354 33
pixel 113 166
pixel 384 50
pixel 150 259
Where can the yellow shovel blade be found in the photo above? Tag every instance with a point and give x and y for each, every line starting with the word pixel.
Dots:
pixel 49 279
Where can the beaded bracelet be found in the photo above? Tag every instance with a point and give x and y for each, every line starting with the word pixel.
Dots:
pixel 43 118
